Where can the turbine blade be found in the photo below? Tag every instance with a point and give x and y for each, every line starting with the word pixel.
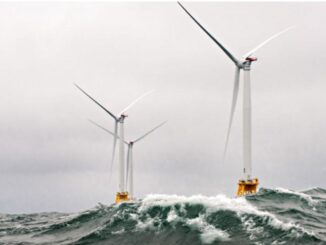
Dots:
pixel 106 130
pixel 234 102
pixel 235 61
pixel 152 130
pixel 265 42
pixel 110 113
pixel 135 101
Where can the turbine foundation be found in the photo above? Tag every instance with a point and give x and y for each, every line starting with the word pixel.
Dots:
pixel 247 187
pixel 122 197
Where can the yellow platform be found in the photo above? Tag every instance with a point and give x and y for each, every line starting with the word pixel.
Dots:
pixel 121 197
pixel 247 187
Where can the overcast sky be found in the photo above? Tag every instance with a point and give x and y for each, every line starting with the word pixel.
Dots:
pixel 53 159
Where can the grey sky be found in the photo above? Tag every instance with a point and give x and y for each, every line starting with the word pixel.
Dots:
pixel 52 158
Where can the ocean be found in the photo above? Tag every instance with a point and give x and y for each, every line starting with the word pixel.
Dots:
pixel 273 216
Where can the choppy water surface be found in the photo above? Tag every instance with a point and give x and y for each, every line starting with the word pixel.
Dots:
pixel 273 216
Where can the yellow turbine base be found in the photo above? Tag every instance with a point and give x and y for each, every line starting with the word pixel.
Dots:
pixel 247 187
pixel 121 197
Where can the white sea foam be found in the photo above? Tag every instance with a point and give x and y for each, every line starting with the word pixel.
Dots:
pixel 304 196
pixel 276 242
pixel 209 233
pixel 211 204
pixel 147 224
pixel 118 232
pixel 172 216
pixel 251 228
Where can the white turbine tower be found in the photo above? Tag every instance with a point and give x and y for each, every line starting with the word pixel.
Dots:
pixel 247 185
pixel 130 167
pixel 122 195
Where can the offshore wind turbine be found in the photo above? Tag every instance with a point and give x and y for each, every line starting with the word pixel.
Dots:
pixel 247 185
pixel 130 163
pixel 122 194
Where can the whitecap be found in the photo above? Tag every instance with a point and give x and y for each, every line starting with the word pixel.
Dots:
pixel 240 206
pixel 306 197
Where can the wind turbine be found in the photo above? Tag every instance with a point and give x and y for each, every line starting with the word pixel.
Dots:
pixel 119 118
pixel 130 167
pixel 247 185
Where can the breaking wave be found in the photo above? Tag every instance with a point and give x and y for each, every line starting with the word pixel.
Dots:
pixel 273 216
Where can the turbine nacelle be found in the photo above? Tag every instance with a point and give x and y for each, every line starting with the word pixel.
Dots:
pixel 246 62
pixel 122 117
pixel 251 59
